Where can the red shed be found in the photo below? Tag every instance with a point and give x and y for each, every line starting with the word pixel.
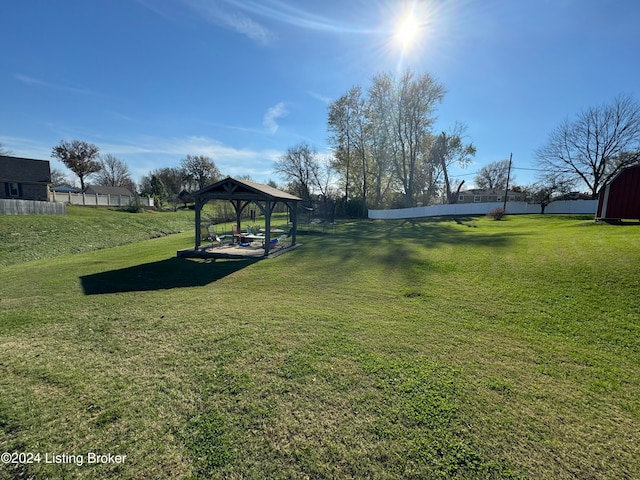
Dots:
pixel 620 198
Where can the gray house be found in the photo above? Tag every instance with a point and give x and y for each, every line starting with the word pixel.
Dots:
pixel 24 178
pixel 479 195
pixel 113 191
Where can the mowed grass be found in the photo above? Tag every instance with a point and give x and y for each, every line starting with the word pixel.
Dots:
pixel 33 237
pixel 437 348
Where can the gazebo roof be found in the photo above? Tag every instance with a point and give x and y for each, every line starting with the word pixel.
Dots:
pixel 235 189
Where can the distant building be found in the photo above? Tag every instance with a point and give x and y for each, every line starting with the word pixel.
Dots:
pixel 480 195
pixel 24 178
pixel 113 191
pixel 64 188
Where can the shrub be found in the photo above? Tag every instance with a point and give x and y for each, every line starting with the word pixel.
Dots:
pixel 497 213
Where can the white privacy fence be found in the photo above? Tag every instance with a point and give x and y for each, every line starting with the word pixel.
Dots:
pixel 577 207
pixel 98 200
pixel 31 207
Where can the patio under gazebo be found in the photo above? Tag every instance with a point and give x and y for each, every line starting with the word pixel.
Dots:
pixel 241 194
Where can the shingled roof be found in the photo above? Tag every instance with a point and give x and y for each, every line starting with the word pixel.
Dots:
pixel 229 188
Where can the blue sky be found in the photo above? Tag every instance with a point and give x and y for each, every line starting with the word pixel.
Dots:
pixel 152 81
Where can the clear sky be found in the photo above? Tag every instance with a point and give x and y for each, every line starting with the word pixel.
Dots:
pixel 151 81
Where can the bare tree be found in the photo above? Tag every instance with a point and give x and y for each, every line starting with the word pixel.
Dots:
pixel 493 175
pixel 201 169
pixel 80 157
pixel 114 173
pixel 547 191
pixel 300 167
pixel 595 146
pixel 58 177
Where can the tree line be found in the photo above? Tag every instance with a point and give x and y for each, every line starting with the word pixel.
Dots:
pixel 386 154
pixel 173 184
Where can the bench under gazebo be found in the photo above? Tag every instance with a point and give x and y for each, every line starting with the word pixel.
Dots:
pixel 241 194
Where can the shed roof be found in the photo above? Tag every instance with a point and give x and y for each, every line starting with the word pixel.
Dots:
pixel 235 189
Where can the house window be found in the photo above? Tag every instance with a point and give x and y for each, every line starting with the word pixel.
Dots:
pixel 14 189
pixel 477 199
pixel 461 198
pixel 512 199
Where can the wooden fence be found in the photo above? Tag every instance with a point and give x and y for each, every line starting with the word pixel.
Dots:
pixel 31 207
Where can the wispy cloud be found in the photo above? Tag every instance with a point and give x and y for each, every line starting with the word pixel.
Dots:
pixel 31 81
pixel 244 25
pixel 242 15
pixel 320 97
pixel 288 13
pixel 271 116
pixel 215 14
pixel 148 153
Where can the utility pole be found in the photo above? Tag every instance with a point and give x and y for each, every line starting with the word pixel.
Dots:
pixel 506 189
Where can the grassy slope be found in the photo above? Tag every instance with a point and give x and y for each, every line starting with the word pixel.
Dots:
pixel 33 237
pixel 475 349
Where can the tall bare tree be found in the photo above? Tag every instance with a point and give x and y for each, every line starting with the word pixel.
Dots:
pixel 594 146
pixel 114 173
pixel 79 157
pixel 300 166
pixel 494 175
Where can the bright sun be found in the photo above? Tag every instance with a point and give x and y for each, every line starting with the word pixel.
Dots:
pixel 407 31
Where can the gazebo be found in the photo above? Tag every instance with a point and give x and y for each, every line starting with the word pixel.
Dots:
pixel 242 193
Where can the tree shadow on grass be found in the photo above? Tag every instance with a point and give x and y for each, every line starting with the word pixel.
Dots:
pixel 432 233
pixel 162 275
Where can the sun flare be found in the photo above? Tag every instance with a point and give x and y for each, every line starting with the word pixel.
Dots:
pixel 407 31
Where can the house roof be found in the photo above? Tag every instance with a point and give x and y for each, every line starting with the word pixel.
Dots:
pixel 65 188
pixel 101 190
pixel 233 188
pixel 487 191
pixel 24 170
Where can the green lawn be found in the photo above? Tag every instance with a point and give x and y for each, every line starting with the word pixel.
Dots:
pixel 426 349
pixel 33 237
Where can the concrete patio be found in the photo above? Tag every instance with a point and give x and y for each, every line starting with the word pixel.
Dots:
pixel 254 250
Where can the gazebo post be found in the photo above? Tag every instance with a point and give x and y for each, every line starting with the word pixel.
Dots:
pixel 267 227
pixel 236 206
pixel 199 205
pixel 294 218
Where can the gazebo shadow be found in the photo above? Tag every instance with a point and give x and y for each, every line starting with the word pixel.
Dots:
pixel 162 275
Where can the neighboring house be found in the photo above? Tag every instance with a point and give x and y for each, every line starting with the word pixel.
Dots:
pixel 65 189
pixel 620 198
pixel 479 195
pixel 24 178
pixel 113 191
